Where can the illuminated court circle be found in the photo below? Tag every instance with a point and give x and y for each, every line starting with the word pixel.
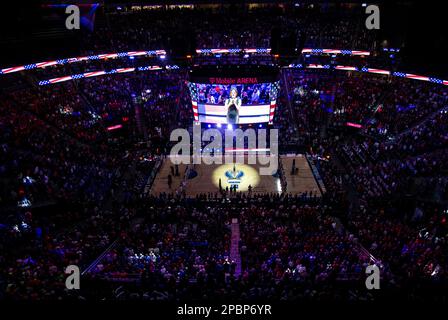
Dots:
pixel 240 175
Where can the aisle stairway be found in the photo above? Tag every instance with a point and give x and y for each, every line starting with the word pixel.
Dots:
pixel 234 246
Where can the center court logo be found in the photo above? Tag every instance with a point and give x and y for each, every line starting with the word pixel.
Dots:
pixel 238 144
pixel 234 176
pixel 241 177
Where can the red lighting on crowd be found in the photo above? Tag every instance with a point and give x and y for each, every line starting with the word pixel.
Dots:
pixel 118 126
pixel 354 125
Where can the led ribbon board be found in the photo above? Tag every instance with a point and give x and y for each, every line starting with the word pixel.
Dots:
pixel 104 56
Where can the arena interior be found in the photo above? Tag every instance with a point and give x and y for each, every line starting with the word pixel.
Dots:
pixel 89 179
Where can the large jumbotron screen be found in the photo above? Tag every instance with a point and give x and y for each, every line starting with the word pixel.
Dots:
pixel 243 99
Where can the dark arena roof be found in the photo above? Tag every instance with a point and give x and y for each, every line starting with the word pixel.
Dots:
pixel 264 156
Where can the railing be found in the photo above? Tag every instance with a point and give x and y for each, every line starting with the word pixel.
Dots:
pixel 317 177
pixel 152 176
pixel 100 257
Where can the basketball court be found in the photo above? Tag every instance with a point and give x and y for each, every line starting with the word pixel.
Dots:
pixel 203 178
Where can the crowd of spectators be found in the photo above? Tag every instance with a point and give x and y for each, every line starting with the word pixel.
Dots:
pixel 57 154
pixel 230 27
pixel 393 164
